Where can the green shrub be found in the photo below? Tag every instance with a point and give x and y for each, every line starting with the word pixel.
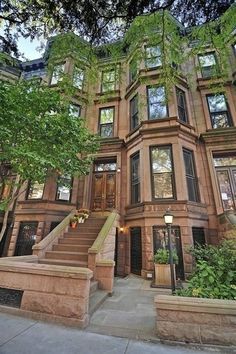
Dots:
pixel 162 256
pixel 215 272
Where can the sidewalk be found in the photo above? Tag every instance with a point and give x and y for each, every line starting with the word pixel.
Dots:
pixel 124 324
pixel 23 336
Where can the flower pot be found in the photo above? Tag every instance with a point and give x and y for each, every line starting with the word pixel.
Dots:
pixel 163 274
pixel 73 225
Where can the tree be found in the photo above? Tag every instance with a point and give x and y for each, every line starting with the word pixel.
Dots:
pixel 38 136
pixel 97 20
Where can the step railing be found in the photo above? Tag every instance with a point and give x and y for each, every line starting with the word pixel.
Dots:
pixel 101 254
pixel 52 238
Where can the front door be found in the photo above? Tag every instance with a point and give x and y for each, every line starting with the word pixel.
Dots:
pixel 135 250
pixel 104 186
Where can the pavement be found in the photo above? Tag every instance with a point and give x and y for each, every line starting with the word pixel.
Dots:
pixel 124 324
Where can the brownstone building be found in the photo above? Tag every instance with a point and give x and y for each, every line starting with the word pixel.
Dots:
pixel 154 154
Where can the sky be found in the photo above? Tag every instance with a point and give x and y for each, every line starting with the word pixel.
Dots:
pixel 29 48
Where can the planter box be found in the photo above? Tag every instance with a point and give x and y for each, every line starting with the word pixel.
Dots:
pixel 163 275
pixel 195 320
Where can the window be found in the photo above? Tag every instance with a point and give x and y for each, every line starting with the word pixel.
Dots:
pixel 190 173
pixel 225 165
pixel 35 190
pixel 135 178
pixel 234 48
pixel 182 106
pixel 160 240
pixel 153 56
pixel 78 78
pixel 64 184
pixel 157 107
pixel 162 175
pixel 134 121
pixel 198 236
pixel 208 64
pixel 57 74
pixel 220 116
pixel 74 110
pixel 108 81
pixel 106 122
pixel 133 70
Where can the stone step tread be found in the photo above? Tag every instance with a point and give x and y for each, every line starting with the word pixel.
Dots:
pixel 81 234
pixel 96 300
pixel 74 241
pixel 67 252
pixel 70 248
pixel 64 262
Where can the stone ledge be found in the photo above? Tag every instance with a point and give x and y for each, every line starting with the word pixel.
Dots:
pixel 45 269
pixel 195 304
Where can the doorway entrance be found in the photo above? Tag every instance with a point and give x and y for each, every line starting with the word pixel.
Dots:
pixel 104 185
pixel 135 250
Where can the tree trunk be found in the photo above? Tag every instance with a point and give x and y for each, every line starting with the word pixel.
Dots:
pixel 15 194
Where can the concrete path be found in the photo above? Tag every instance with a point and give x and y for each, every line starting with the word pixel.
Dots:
pixel 129 312
pixel 19 335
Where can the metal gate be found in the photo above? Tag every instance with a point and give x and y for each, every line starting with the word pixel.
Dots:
pixel 26 238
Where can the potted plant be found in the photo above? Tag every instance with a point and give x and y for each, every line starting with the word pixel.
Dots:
pixel 162 267
pixel 82 215
pixel 74 221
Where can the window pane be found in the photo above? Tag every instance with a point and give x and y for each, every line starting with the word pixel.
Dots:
pixel 78 78
pixel 162 172
pixel 106 130
pixel 133 70
pixel 225 189
pixel 64 188
pixel 105 166
pixel 157 110
pixel 153 57
pixel 161 160
pixel 135 179
pixel 134 112
pixel 217 103
pixel 74 110
pixel 163 185
pixel 36 190
pixel 106 115
pixel 182 106
pixel 207 60
pixel 225 161
pixel 220 120
pixel 108 80
pixel 156 94
pixel 57 73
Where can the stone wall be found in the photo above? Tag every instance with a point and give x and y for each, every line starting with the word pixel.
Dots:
pixel 57 293
pixel 195 320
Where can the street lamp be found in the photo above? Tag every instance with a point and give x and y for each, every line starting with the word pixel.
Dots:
pixel 168 218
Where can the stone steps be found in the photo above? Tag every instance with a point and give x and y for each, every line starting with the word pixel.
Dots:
pixel 76 241
pixel 71 256
pixel 64 262
pixel 96 300
pixel 71 248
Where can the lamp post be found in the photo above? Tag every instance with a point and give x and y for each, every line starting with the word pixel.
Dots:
pixel 168 218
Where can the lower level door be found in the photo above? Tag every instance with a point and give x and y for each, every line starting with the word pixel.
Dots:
pixel 136 250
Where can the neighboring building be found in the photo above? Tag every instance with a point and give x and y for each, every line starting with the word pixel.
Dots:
pixel 179 154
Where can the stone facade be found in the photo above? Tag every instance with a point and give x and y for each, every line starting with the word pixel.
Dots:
pixel 141 226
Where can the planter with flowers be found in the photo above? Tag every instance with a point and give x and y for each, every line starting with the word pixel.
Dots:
pixel 74 221
pixel 83 214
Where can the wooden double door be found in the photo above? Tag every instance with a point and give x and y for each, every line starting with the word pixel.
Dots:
pixel 104 186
